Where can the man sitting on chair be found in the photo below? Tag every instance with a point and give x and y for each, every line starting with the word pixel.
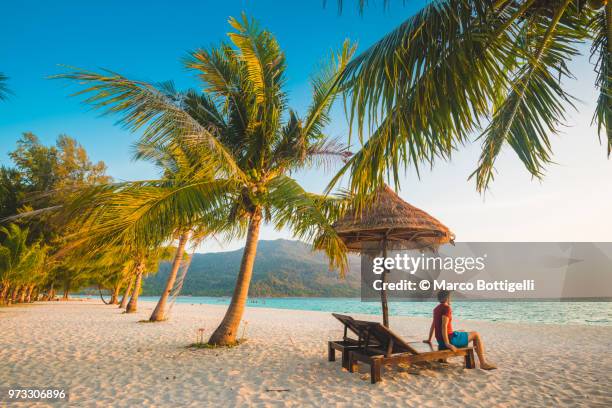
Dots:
pixel 449 339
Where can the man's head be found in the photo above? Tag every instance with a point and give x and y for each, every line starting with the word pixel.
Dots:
pixel 444 296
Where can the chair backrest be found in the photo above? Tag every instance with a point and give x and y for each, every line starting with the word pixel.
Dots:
pixel 388 339
pixel 348 323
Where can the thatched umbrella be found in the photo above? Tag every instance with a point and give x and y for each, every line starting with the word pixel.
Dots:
pixel 388 222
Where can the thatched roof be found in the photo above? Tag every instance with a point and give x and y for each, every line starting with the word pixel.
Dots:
pixel 405 226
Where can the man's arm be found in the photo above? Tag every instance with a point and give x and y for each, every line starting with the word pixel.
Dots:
pixel 445 334
pixel 431 331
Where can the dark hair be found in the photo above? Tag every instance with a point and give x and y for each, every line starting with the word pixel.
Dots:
pixel 443 295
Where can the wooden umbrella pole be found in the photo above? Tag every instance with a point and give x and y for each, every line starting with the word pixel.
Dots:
pixel 383 292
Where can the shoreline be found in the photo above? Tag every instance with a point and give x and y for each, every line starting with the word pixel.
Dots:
pixel 375 313
pixel 106 358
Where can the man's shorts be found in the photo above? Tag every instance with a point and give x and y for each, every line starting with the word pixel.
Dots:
pixel 458 339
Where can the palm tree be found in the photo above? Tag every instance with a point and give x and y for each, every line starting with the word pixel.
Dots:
pixel 126 294
pixel 21 264
pixel 159 313
pixel 180 166
pixel 147 261
pixel 250 140
pixel 458 68
pixel 129 223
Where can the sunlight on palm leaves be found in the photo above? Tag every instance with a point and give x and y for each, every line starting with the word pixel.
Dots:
pixel 227 154
pixel 21 263
pixel 242 109
pixel 458 67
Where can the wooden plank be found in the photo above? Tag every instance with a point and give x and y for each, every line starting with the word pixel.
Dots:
pixel 376 362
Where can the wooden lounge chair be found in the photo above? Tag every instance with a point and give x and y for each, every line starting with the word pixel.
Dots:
pixel 392 349
pixel 356 327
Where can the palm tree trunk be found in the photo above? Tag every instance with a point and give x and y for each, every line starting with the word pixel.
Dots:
pixel 126 294
pixel 35 294
pixel 3 293
pixel 159 313
pixel 227 330
pixel 28 293
pixel 66 294
pixel 132 306
pixel 22 294
pixel 101 295
pixel 115 296
pixel 14 294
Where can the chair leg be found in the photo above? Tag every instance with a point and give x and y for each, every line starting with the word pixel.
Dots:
pixel 375 371
pixel 352 364
pixel 345 358
pixel 331 353
pixel 470 362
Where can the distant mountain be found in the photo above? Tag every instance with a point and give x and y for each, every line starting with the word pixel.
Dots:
pixel 282 268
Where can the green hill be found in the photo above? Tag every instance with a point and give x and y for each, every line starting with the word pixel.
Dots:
pixel 282 268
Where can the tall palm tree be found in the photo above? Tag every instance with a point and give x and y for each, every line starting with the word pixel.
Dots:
pixel 459 68
pixel 249 138
pixel 180 165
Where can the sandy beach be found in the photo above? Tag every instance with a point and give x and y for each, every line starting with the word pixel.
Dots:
pixel 106 359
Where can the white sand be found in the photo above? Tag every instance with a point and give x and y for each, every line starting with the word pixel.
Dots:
pixel 106 358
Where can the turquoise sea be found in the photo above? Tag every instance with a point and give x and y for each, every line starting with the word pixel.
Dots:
pixel 551 312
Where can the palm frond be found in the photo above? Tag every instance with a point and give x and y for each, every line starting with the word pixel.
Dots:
pixel 327 152
pixel 263 60
pixel 325 90
pixel 601 51
pixel 535 105
pixel 429 82
pixel 145 214
pixel 4 90
pixel 142 105
pixel 309 217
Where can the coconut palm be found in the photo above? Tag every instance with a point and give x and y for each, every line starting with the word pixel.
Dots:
pixel 247 136
pixel 180 166
pixel 459 68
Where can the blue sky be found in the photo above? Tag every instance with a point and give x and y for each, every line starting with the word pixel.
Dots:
pixel 146 40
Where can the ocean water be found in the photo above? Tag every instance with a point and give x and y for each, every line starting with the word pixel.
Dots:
pixel 549 312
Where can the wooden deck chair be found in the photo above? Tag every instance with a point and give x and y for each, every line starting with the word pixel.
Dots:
pixel 391 349
pixel 351 326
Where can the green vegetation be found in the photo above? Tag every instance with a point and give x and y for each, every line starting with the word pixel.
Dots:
pixel 282 268
pixel 22 266
pixel 247 142
pixel 42 177
pixel 464 70
pixel 228 152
